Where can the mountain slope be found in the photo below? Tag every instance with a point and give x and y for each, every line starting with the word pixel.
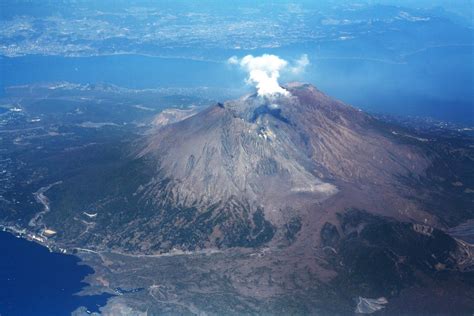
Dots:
pixel 274 160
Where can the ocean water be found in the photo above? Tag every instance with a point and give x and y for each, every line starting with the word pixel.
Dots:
pixel 131 71
pixel 436 82
pixel 34 281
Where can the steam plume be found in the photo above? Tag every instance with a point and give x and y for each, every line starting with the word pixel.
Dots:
pixel 264 71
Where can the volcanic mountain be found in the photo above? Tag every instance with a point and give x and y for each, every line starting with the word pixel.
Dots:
pixel 240 173
pixel 251 172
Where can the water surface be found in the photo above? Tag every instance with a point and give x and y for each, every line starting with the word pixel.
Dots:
pixel 35 281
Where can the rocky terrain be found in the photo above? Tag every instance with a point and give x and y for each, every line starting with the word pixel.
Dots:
pixel 267 162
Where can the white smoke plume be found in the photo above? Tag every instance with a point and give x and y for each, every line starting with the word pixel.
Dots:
pixel 264 71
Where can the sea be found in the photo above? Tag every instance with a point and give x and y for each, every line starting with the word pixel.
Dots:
pixel 436 82
pixel 35 281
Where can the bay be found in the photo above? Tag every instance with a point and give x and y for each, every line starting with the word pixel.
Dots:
pixel 35 281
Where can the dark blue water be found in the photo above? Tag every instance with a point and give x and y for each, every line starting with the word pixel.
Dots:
pixel 34 281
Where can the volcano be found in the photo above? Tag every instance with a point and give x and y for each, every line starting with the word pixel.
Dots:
pixel 264 171
pixel 239 173
pixel 295 198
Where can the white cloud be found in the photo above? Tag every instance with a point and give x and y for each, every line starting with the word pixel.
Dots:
pixel 264 71
pixel 300 64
